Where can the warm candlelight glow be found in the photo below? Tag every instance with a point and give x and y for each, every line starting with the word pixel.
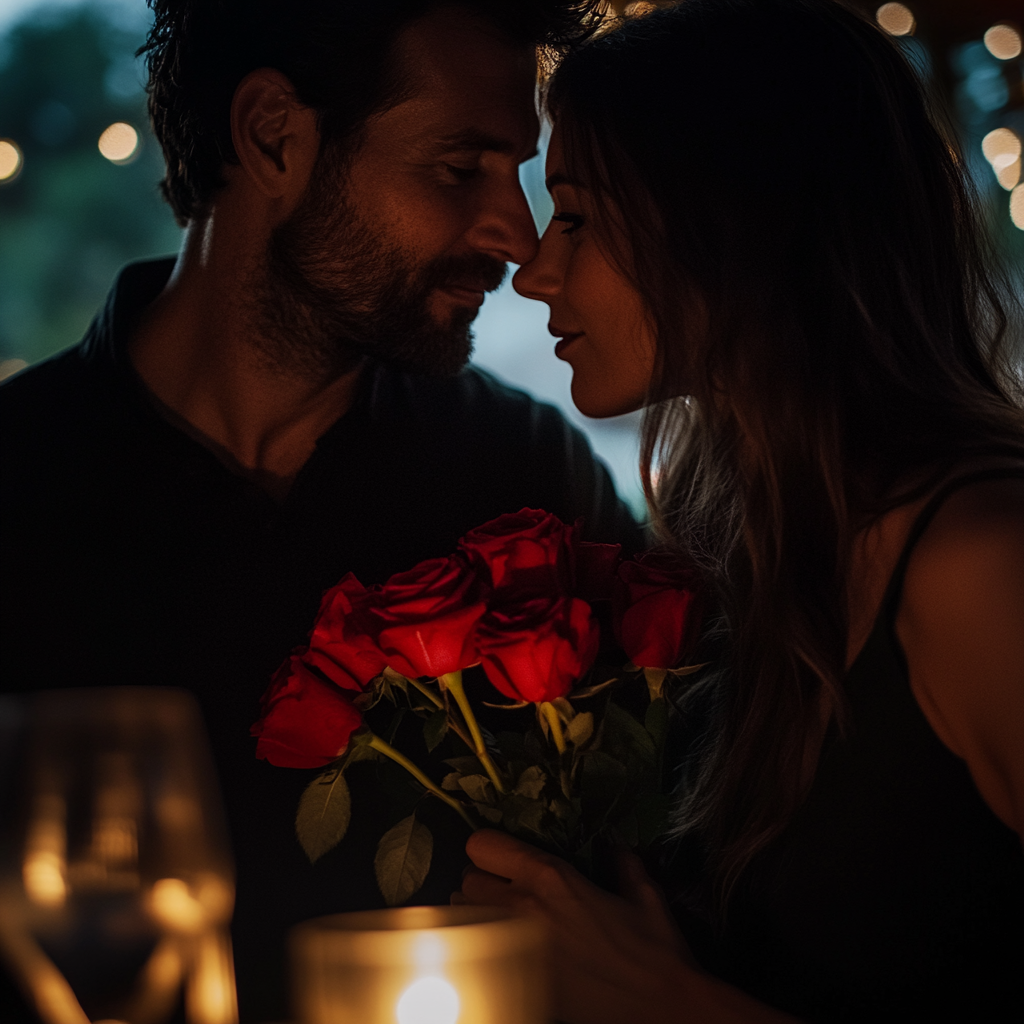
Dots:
pixel 430 1000
pixel 210 997
pixel 44 869
pixel 420 965
pixel 174 907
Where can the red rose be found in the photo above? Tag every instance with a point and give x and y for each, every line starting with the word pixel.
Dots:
pixel 345 655
pixel 596 566
pixel 306 722
pixel 658 608
pixel 424 620
pixel 535 650
pixel 531 550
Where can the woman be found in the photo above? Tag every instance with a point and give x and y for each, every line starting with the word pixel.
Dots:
pixel 753 209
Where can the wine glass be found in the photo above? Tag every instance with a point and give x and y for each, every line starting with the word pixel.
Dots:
pixel 116 884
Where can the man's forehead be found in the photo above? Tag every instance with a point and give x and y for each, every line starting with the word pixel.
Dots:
pixel 461 76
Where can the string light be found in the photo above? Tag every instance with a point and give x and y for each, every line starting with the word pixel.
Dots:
pixel 1017 206
pixel 1002 149
pixel 10 160
pixel 896 19
pixel 119 143
pixel 1003 41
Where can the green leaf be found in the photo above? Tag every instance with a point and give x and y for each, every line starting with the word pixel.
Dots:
pixel 403 860
pixel 434 728
pixel 580 729
pixel 652 815
pixel 626 738
pixel 325 810
pixel 451 782
pixel 492 814
pixel 603 781
pixel 478 788
pixel 465 765
pixel 656 721
pixel 520 812
pixel 531 782
pixel 361 752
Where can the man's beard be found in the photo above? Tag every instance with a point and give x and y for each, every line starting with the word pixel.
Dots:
pixel 332 290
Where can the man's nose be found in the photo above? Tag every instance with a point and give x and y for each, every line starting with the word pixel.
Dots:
pixel 504 227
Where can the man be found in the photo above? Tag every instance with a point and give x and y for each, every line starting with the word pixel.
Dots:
pixel 287 401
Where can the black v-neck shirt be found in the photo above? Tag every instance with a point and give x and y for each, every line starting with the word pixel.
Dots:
pixel 894 895
pixel 131 554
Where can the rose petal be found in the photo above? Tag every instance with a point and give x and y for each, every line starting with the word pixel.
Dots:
pixel 306 722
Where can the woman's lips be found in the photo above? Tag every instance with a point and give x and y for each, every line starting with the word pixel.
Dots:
pixel 566 338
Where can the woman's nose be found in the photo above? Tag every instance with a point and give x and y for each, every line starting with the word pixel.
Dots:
pixel 539 278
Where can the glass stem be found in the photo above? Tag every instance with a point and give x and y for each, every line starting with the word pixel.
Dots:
pixel 453 681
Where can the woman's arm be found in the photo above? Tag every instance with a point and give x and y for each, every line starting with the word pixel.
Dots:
pixel 613 959
pixel 961 624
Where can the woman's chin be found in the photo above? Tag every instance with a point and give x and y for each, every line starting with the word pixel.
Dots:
pixel 598 402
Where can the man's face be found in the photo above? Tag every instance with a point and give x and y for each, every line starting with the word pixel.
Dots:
pixel 392 250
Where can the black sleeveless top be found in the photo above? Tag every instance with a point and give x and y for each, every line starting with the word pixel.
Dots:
pixel 894 894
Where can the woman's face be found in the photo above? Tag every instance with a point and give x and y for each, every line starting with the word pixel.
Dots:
pixel 599 316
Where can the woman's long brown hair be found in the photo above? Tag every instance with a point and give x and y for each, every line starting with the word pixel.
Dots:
pixel 807 242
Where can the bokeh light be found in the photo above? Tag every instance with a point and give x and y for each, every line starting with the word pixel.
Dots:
pixel 1017 206
pixel 1003 41
pixel 1002 149
pixel 119 143
pixel 896 19
pixel 10 160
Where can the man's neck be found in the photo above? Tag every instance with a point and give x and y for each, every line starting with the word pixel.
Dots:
pixel 193 348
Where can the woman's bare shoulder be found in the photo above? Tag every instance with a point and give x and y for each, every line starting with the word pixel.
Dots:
pixel 961 624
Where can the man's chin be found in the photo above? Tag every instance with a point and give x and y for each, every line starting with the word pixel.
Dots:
pixel 436 355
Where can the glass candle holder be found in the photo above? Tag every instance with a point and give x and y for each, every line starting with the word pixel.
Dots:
pixel 420 965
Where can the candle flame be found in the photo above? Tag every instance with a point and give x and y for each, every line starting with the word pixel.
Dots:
pixel 429 1000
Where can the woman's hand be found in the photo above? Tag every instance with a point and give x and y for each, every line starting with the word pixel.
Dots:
pixel 613 959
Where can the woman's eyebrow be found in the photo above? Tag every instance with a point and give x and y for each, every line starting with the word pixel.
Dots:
pixel 558 178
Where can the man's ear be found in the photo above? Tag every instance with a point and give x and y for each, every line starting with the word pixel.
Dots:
pixel 274 135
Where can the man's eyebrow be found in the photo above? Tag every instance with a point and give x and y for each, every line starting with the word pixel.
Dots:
pixel 472 138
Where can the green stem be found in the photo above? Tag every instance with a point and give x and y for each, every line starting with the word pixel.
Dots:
pixel 389 751
pixel 436 700
pixel 453 682
pixel 555 722
pixel 428 693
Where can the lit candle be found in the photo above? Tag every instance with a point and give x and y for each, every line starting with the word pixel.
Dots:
pixel 419 965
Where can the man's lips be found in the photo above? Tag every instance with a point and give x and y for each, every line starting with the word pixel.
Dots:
pixel 470 294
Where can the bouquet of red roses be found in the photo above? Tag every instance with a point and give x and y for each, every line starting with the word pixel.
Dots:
pixel 516 607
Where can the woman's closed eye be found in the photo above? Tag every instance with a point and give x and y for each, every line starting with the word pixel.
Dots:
pixel 574 220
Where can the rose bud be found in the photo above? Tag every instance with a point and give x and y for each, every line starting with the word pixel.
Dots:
pixel 658 607
pixel 306 722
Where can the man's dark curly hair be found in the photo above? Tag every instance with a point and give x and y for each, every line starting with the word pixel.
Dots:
pixel 336 53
